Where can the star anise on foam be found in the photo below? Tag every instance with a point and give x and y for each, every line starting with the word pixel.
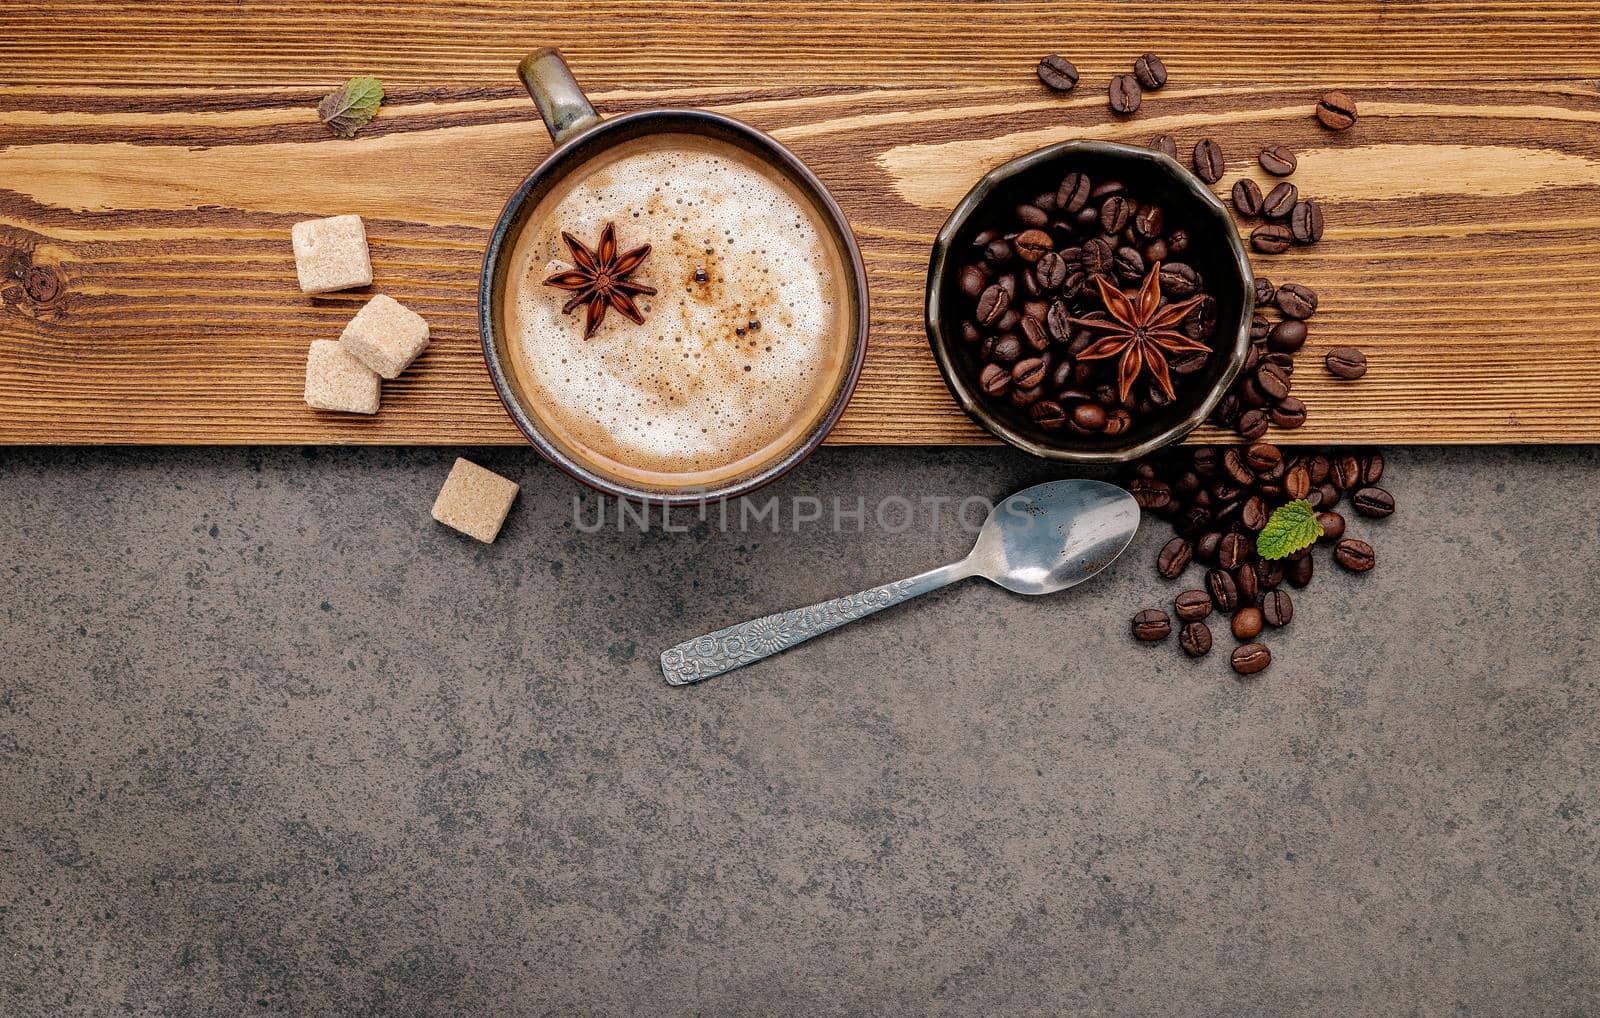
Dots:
pixel 1141 331
pixel 601 279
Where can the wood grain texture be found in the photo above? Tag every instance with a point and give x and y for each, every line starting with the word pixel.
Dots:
pixel 154 155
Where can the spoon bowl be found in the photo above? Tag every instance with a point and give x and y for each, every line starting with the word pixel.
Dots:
pixel 1048 538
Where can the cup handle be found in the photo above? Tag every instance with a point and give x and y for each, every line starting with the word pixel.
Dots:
pixel 554 90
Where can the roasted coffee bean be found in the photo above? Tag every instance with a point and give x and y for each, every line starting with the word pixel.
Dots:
pixel 1205 546
pixel 1003 349
pixel 1117 421
pixel 1096 257
pixel 1165 144
pixel 1151 624
pixel 1058 73
pixel 1008 321
pixel 1271 238
pixel 1155 251
pixel 1178 240
pixel 1297 301
pixel 1224 592
pixel 1254 513
pixel 1246 198
pixel 1073 194
pixel 1346 471
pixel 1032 216
pixel 1372 467
pixel 1280 201
pixel 1356 556
pixel 1306 222
pixel 1179 281
pixel 1252 425
pixel 1150 71
pixel 1319 467
pixel 1061 375
pixel 1290 413
pixel 1248 582
pixel 1029 373
pixel 973 280
pixel 1150 494
pixel 1236 467
pixel 1298 571
pixel 1032 244
pixel 1288 335
pixel 1021 397
pixel 1277 608
pixel 1008 282
pixel 995 380
pixel 1192 605
pixel 1263 456
pixel 1260 327
pixel 1115 213
pixel 1336 111
pixel 1373 503
pixel 998 252
pixel 1345 362
pixel 1209 165
pixel 993 303
pixel 1330 495
pixel 1246 624
pixel 1050 271
pixel 1188 363
pixel 1250 658
pixel 1233 550
pixel 1269 574
pixel 1332 526
pixel 1277 160
pixel 1124 95
pixel 1105 189
pixel 1266 293
pixel 1128 264
pixel 970 333
pixel 1036 335
pixel 1089 416
pixel 1207 460
pixel 1273 381
pixel 1274 473
pixel 1048 414
pixel 1174 558
pixel 1195 639
pixel 1297 481
pixel 1149 220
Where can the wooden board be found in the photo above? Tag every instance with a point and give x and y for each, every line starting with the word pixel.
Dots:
pixel 154 155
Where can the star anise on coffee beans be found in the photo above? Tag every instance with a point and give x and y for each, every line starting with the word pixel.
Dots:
pixel 600 279
pixel 1140 330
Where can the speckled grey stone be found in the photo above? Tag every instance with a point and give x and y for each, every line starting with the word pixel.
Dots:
pixel 271 741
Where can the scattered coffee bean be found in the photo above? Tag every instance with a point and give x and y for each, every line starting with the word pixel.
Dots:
pixel 1305 222
pixel 1277 608
pixel 1195 639
pixel 1266 293
pixel 1373 503
pixel 1174 558
pixel 1249 583
pixel 1252 424
pixel 1271 238
pixel 1290 413
pixel 1151 624
pixel 1345 471
pixel 1233 551
pixel 1250 658
pixel 1208 162
pixel 1280 201
pixel 1299 571
pixel 1371 467
pixel 1224 591
pixel 1058 73
pixel 1166 145
pixel 1297 481
pixel 1246 198
pixel 1297 301
pixel 1288 335
pixel 1356 556
pixel 1278 160
pixel 1332 526
pixel 1263 456
pixel 1336 111
pixel 1246 623
pixel 1346 362
pixel 1124 95
pixel 1192 605
pixel 1150 71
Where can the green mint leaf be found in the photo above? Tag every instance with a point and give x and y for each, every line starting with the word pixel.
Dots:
pixel 1292 526
pixel 351 107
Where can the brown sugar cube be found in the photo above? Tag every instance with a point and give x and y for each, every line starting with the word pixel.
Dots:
pixel 386 336
pixel 474 501
pixel 331 254
pixel 337 381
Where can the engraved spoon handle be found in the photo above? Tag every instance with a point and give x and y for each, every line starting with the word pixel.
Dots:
pixel 737 646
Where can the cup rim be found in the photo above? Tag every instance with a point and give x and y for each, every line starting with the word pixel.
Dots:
pixel 687 121
pixel 940 265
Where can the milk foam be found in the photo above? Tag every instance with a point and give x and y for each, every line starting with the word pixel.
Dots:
pixel 685 393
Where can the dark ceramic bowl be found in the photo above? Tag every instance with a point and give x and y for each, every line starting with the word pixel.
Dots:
pixel 1215 250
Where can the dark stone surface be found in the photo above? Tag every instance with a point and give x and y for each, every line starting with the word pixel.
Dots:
pixel 271 741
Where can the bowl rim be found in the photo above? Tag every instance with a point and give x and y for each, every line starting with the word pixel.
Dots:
pixel 940 264
pixel 570 153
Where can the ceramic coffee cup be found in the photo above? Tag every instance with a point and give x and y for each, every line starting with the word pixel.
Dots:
pixel 580 135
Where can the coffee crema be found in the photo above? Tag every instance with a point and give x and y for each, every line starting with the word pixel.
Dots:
pixel 744 347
